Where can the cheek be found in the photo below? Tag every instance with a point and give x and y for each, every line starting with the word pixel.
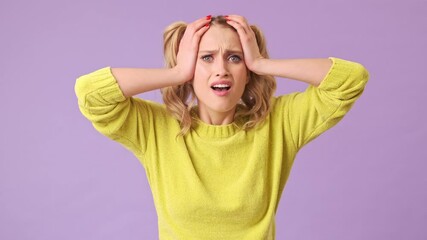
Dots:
pixel 201 77
pixel 201 70
pixel 240 73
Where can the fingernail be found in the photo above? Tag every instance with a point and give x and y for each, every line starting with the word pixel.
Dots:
pixel 226 16
pixel 207 25
pixel 208 17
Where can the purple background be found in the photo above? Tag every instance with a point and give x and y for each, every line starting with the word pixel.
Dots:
pixel 60 179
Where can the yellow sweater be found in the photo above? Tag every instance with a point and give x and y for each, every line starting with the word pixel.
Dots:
pixel 219 182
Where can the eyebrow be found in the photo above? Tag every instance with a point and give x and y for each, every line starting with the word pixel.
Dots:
pixel 228 51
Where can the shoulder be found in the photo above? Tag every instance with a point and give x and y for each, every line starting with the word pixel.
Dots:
pixel 149 105
pixel 281 102
pixel 155 114
pixel 156 111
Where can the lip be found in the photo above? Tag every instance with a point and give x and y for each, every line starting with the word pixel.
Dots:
pixel 222 93
pixel 222 82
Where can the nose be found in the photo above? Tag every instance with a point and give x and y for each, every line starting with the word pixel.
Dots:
pixel 221 68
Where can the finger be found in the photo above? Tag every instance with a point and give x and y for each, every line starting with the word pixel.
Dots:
pixel 189 38
pixel 199 24
pixel 240 29
pixel 240 20
pixel 202 30
pixel 198 35
pixel 202 25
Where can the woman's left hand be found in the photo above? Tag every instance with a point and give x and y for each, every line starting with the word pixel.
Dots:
pixel 247 37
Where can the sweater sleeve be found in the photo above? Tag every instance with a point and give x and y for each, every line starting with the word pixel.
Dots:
pixel 317 109
pixel 125 120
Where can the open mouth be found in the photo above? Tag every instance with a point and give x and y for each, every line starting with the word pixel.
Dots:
pixel 221 87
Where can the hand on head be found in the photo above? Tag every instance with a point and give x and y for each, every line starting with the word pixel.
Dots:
pixel 189 44
pixel 188 47
pixel 248 40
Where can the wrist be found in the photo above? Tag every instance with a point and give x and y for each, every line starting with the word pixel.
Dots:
pixel 178 76
pixel 258 66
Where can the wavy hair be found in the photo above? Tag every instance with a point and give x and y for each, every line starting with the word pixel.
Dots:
pixel 254 105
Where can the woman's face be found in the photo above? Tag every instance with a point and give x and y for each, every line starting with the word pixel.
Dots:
pixel 220 74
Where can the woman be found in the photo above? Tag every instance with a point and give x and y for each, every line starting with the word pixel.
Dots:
pixel 218 153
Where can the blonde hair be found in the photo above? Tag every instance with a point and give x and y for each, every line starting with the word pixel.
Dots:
pixel 254 106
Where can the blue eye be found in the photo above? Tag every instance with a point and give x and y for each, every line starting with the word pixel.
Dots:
pixel 234 58
pixel 207 58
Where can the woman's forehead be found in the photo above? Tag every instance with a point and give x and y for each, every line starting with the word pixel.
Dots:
pixel 220 37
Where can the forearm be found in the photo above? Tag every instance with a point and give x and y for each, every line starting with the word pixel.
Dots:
pixel 310 70
pixel 133 81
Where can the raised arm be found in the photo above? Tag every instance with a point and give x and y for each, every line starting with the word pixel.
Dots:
pixel 335 85
pixel 104 95
pixel 134 81
pixel 311 70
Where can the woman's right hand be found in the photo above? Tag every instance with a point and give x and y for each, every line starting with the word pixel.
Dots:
pixel 134 81
pixel 188 48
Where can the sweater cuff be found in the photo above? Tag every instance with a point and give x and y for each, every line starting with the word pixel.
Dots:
pixel 343 75
pixel 100 84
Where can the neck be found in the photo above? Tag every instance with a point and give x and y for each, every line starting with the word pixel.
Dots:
pixel 216 118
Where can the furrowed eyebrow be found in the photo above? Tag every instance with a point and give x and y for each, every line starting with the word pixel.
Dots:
pixel 227 51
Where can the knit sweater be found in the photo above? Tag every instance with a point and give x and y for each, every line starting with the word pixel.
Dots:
pixel 219 182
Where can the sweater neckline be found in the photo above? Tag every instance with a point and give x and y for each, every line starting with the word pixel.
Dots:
pixel 215 131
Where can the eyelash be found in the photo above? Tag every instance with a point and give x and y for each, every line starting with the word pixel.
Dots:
pixel 235 56
pixel 231 56
pixel 204 57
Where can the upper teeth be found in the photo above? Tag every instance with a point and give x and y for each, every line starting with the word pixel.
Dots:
pixel 221 85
